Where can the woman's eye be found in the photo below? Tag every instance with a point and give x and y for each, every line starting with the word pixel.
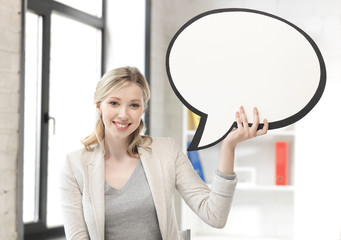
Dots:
pixel 114 103
pixel 135 105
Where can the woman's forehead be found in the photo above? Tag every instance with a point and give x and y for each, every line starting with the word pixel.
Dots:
pixel 130 91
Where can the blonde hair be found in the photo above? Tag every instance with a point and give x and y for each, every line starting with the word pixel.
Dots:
pixel 109 83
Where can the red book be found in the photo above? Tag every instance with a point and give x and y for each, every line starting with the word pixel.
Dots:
pixel 281 149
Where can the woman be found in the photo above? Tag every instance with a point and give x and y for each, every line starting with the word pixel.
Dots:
pixel 121 185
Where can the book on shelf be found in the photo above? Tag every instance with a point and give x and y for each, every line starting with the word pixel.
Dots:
pixel 195 160
pixel 281 155
pixel 192 120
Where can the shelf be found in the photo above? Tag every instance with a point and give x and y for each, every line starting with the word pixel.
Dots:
pixel 281 132
pixel 275 132
pixel 191 132
pixel 260 188
pixel 265 209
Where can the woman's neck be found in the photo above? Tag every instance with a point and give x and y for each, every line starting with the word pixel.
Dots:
pixel 115 149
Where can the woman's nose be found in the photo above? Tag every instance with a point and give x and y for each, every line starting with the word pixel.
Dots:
pixel 123 113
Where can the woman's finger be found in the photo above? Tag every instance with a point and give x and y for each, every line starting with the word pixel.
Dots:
pixel 255 121
pixel 265 128
pixel 244 118
pixel 238 120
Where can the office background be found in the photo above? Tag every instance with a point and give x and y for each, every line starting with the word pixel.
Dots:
pixel 316 210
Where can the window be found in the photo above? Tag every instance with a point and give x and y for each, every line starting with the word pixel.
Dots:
pixel 63 62
pixel 73 67
pixel 32 113
pixel 63 54
pixel 93 7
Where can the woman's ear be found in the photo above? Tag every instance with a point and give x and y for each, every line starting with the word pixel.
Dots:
pixel 98 108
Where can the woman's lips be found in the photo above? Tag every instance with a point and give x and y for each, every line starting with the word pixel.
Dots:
pixel 121 126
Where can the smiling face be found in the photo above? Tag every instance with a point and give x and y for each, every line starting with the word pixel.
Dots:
pixel 122 111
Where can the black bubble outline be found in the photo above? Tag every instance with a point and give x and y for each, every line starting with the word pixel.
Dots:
pixel 272 125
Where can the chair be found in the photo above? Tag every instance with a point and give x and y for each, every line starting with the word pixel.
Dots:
pixel 186 234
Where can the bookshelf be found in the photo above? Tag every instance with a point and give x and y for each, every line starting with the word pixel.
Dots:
pixel 261 206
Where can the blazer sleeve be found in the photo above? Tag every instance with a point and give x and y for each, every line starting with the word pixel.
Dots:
pixel 213 204
pixel 71 201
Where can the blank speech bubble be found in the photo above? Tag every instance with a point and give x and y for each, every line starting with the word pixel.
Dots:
pixel 227 58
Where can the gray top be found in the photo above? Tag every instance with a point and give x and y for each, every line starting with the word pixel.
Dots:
pixel 226 176
pixel 130 212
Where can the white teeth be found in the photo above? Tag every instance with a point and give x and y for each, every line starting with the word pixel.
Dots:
pixel 121 125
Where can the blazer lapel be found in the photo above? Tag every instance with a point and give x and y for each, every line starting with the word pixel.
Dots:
pixel 153 170
pixel 96 190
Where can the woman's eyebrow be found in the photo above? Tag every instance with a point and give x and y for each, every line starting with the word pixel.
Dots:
pixel 114 98
pixel 132 100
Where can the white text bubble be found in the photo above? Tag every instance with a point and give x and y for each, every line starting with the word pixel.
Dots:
pixel 227 58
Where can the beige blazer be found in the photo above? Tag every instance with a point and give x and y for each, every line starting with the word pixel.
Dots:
pixel 166 168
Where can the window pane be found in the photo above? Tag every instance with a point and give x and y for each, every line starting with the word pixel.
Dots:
pixel 74 73
pixel 31 116
pixel 93 7
pixel 128 32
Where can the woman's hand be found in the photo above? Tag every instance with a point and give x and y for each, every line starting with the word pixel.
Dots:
pixel 244 132
pixel 237 135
